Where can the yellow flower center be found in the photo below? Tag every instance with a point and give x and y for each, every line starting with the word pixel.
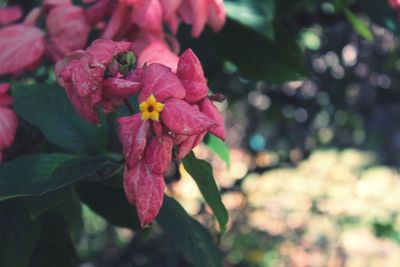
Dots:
pixel 151 109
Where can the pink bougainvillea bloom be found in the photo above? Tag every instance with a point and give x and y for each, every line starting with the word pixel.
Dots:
pixel 10 14
pixel 82 74
pixel 68 30
pixel 8 119
pixel 22 48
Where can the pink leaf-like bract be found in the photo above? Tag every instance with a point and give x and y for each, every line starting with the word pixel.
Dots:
pixel 160 81
pixel 133 133
pixel 208 108
pixel 158 52
pixel 191 74
pixel 22 47
pixel 145 190
pixel 68 29
pixel 119 88
pixel 182 118
pixel 159 154
pixel 8 119
pixel 10 14
pixel 148 15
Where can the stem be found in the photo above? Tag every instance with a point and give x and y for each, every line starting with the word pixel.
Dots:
pixel 129 106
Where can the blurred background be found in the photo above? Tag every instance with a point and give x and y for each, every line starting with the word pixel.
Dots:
pixel 313 177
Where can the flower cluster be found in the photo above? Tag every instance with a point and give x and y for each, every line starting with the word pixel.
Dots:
pixel 174 111
pixel 8 119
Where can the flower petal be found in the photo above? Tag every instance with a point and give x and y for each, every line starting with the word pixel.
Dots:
pixel 189 144
pixel 191 74
pixel 145 190
pixel 159 154
pixel 68 28
pixel 208 108
pixel 160 81
pixel 133 134
pixel 8 127
pixel 148 15
pixel 22 47
pixel 10 14
pixel 182 118
pixel 119 88
pixel 158 52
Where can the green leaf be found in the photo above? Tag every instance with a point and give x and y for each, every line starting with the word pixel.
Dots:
pixel 54 247
pixel 220 148
pixel 37 174
pixel 189 236
pixel 259 58
pixel 110 203
pixel 358 25
pixel 47 107
pixel 258 15
pixel 201 171
pixel 40 204
pixel 18 234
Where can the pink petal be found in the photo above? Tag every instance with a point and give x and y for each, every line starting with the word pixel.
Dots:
pixel 21 46
pixel 68 28
pixel 189 144
pixel 133 134
pixel 135 76
pixel 191 74
pixel 160 81
pixel 118 21
pixel 216 15
pixel 182 118
pixel 49 4
pixel 10 14
pixel 158 52
pixel 33 16
pixel 157 128
pixel 148 15
pixel 173 23
pixel 145 190
pixel 8 127
pixel 170 7
pixel 159 154
pixel 208 108
pixel 102 51
pixel 119 88
pixel 195 13
pixel 99 11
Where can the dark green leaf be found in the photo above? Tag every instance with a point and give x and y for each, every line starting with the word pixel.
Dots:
pixel 219 148
pixel 54 248
pixel 258 58
pixel 18 234
pixel 201 171
pixel 188 235
pixel 258 15
pixel 37 174
pixel 47 107
pixel 110 203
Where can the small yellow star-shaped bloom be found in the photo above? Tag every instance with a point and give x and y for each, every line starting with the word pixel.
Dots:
pixel 151 109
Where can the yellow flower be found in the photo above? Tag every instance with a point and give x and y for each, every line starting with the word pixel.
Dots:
pixel 151 109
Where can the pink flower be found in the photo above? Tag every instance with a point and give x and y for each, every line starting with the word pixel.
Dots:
pixel 82 74
pixel 10 14
pixel 22 48
pixel 174 111
pixel 8 119
pixel 198 13
pixel 68 30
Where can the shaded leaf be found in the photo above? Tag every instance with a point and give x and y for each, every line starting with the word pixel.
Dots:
pixel 110 203
pixel 201 171
pixel 47 107
pixel 358 25
pixel 189 236
pixel 18 234
pixel 37 174
pixel 54 247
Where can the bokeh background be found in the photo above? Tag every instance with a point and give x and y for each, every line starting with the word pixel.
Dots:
pixel 313 177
